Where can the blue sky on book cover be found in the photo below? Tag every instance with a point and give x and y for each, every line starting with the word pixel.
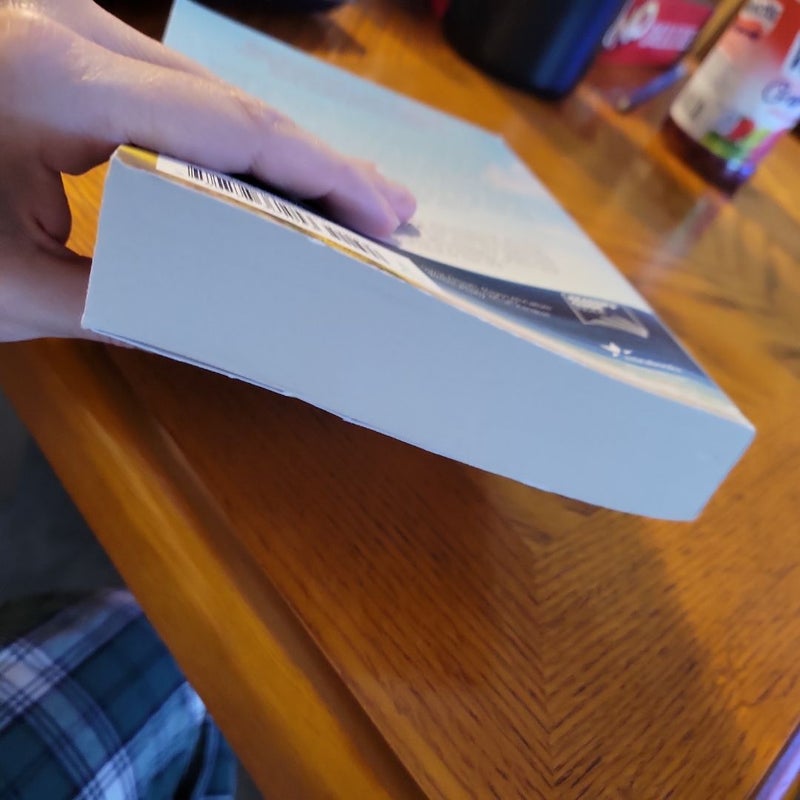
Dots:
pixel 486 230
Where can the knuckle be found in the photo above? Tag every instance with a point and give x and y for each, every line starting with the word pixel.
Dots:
pixel 25 37
pixel 351 171
pixel 258 114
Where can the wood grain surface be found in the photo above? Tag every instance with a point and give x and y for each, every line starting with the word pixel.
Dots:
pixel 369 620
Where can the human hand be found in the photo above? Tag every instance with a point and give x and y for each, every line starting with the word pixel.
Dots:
pixel 75 82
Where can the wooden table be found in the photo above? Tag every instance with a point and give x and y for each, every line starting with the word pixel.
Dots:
pixel 367 620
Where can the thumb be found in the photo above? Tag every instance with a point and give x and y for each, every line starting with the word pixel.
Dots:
pixel 43 295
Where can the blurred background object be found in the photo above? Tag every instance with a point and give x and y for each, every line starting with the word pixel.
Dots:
pixel 439 7
pixel 625 101
pixel 724 12
pixel 548 47
pixel 539 45
pixel 648 41
pixel 743 97
pixel 654 32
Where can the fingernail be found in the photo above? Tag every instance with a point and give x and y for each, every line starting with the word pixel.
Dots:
pixel 408 206
pixel 395 221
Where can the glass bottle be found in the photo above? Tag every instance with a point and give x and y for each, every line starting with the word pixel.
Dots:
pixel 743 97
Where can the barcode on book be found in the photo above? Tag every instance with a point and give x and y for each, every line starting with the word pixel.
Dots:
pixel 298 217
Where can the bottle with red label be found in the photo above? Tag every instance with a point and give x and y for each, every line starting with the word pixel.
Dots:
pixel 744 95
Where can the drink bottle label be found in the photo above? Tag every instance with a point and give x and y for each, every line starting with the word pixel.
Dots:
pixel 746 93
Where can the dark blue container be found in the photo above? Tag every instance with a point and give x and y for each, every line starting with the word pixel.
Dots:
pixel 541 45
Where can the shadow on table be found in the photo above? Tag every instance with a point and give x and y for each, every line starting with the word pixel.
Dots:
pixel 522 643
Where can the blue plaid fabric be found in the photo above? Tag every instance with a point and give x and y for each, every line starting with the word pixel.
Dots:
pixel 93 707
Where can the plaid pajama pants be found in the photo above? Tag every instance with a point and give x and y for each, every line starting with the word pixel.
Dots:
pixel 92 707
